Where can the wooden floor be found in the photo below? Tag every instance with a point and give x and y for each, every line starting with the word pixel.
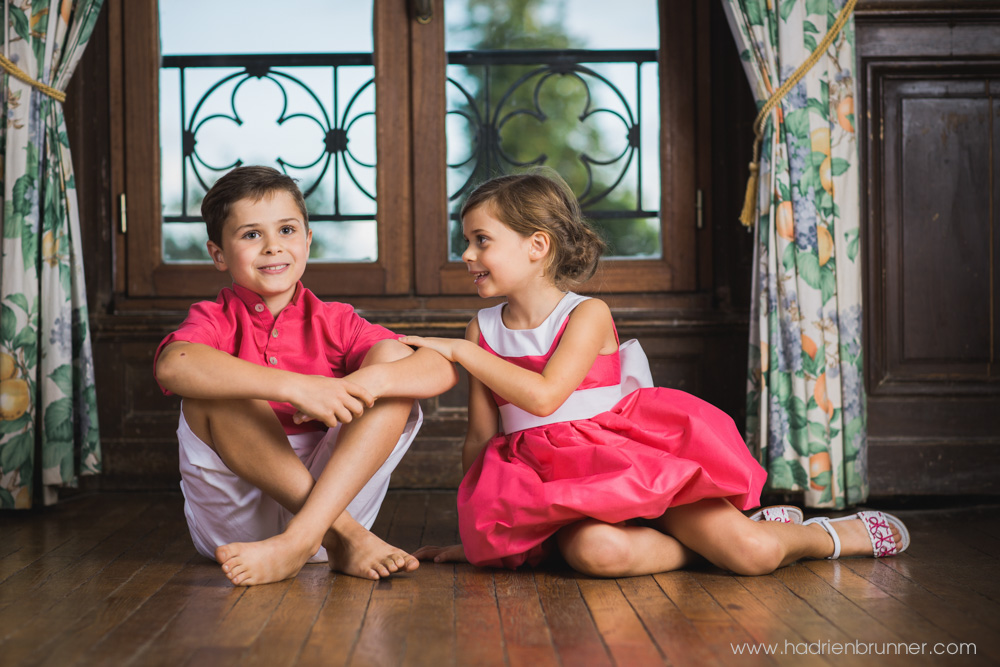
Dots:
pixel 113 579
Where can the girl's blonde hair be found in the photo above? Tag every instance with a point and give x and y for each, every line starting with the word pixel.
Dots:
pixel 541 201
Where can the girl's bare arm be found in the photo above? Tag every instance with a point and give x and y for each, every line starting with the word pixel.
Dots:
pixel 590 332
pixel 484 417
pixel 409 374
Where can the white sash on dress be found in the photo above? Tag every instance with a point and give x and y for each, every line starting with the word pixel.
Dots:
pixel 587 403
pixel 582 403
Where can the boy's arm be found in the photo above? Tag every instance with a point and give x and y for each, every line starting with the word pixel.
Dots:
pixel 194 370
pixel 407 374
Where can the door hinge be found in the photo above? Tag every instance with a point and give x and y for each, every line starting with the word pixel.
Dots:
pixel 123 220
pixel 698 208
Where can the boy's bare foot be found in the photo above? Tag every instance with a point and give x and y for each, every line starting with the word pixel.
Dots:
pixel 264 562
pixel 359 553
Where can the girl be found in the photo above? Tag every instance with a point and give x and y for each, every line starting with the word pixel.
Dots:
pixel 622 480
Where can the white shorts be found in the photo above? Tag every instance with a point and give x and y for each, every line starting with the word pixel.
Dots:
pixel 221 508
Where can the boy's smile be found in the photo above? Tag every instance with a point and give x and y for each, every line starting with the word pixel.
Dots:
pixel 265 247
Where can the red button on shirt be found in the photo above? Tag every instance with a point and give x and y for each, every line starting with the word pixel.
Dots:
pixel 317 337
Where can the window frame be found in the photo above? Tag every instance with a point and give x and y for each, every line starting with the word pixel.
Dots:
pixel 412 209
pixel 148 275
pixel 677 266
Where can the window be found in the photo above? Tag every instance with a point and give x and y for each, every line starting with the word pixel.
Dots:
pixel 388 136
pixel 308 112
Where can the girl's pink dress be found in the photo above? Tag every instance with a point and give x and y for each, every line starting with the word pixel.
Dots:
pixel 617 449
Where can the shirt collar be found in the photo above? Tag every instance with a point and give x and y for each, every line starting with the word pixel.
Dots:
pixel 251 298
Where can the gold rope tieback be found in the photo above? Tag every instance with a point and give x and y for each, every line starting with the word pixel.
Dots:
pixel 19 73
pixel 750 201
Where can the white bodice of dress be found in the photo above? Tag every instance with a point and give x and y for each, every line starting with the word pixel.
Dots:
pixel 537 342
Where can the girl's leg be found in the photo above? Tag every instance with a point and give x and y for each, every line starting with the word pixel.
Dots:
pixel 723 535
pixel 602 549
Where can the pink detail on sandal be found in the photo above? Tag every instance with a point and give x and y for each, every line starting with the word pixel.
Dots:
pixel 779 514
pixel 879 526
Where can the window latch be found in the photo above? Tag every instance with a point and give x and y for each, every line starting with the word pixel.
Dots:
pixel 422 10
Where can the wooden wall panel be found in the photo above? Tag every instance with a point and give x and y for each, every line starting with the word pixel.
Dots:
pixel 138 422
pixel 937 217
pixel 930 231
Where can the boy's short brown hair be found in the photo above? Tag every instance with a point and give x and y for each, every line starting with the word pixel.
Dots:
pixel 253 182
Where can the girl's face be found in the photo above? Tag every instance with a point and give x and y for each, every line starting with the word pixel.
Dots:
pixel 500 260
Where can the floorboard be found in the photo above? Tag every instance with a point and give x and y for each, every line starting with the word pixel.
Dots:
pixel 575 635
pixel 478 629
pixel 112 579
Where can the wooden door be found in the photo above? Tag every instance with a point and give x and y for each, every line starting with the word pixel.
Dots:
pixel 932 232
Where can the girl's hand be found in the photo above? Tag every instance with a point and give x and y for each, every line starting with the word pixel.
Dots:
pixel 453 554
pixel 446 347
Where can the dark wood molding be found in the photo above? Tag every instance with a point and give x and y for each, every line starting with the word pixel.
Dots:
pixel 916 11
pixel 925 81
pixel 679 36
pixel 430 200
pixel 394 168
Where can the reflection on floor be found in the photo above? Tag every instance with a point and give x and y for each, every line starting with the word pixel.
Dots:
pixel 112 579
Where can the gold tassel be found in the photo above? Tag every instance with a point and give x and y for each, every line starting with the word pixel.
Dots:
pixel 16 72
pixel 750 201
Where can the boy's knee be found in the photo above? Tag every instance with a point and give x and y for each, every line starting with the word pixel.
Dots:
pixel 208 408
pixel 207 415
pixel 596 548
pixel 196 410
pixel 386 351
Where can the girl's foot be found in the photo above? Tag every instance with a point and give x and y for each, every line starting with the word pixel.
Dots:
pixel 451 554
pixel 864 534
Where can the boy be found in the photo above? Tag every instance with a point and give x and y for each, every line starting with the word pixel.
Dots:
pixel 280 387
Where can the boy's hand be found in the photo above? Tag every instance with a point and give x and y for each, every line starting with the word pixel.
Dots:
pixel 453 554
pixel 331 400
pixel 446 347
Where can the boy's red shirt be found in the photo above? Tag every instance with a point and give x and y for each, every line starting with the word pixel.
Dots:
pixel 309 336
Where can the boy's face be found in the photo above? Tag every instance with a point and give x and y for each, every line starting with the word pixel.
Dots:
pixel 265 247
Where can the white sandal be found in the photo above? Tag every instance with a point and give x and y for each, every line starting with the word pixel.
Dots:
pixel 879 525
pixel 779 513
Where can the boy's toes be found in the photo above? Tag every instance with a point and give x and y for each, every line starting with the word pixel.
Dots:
pixel 236 572
pixel 410 563
pixel 225 553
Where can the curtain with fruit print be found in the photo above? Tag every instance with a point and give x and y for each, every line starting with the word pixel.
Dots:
pixel 47 399
pixel 806 402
